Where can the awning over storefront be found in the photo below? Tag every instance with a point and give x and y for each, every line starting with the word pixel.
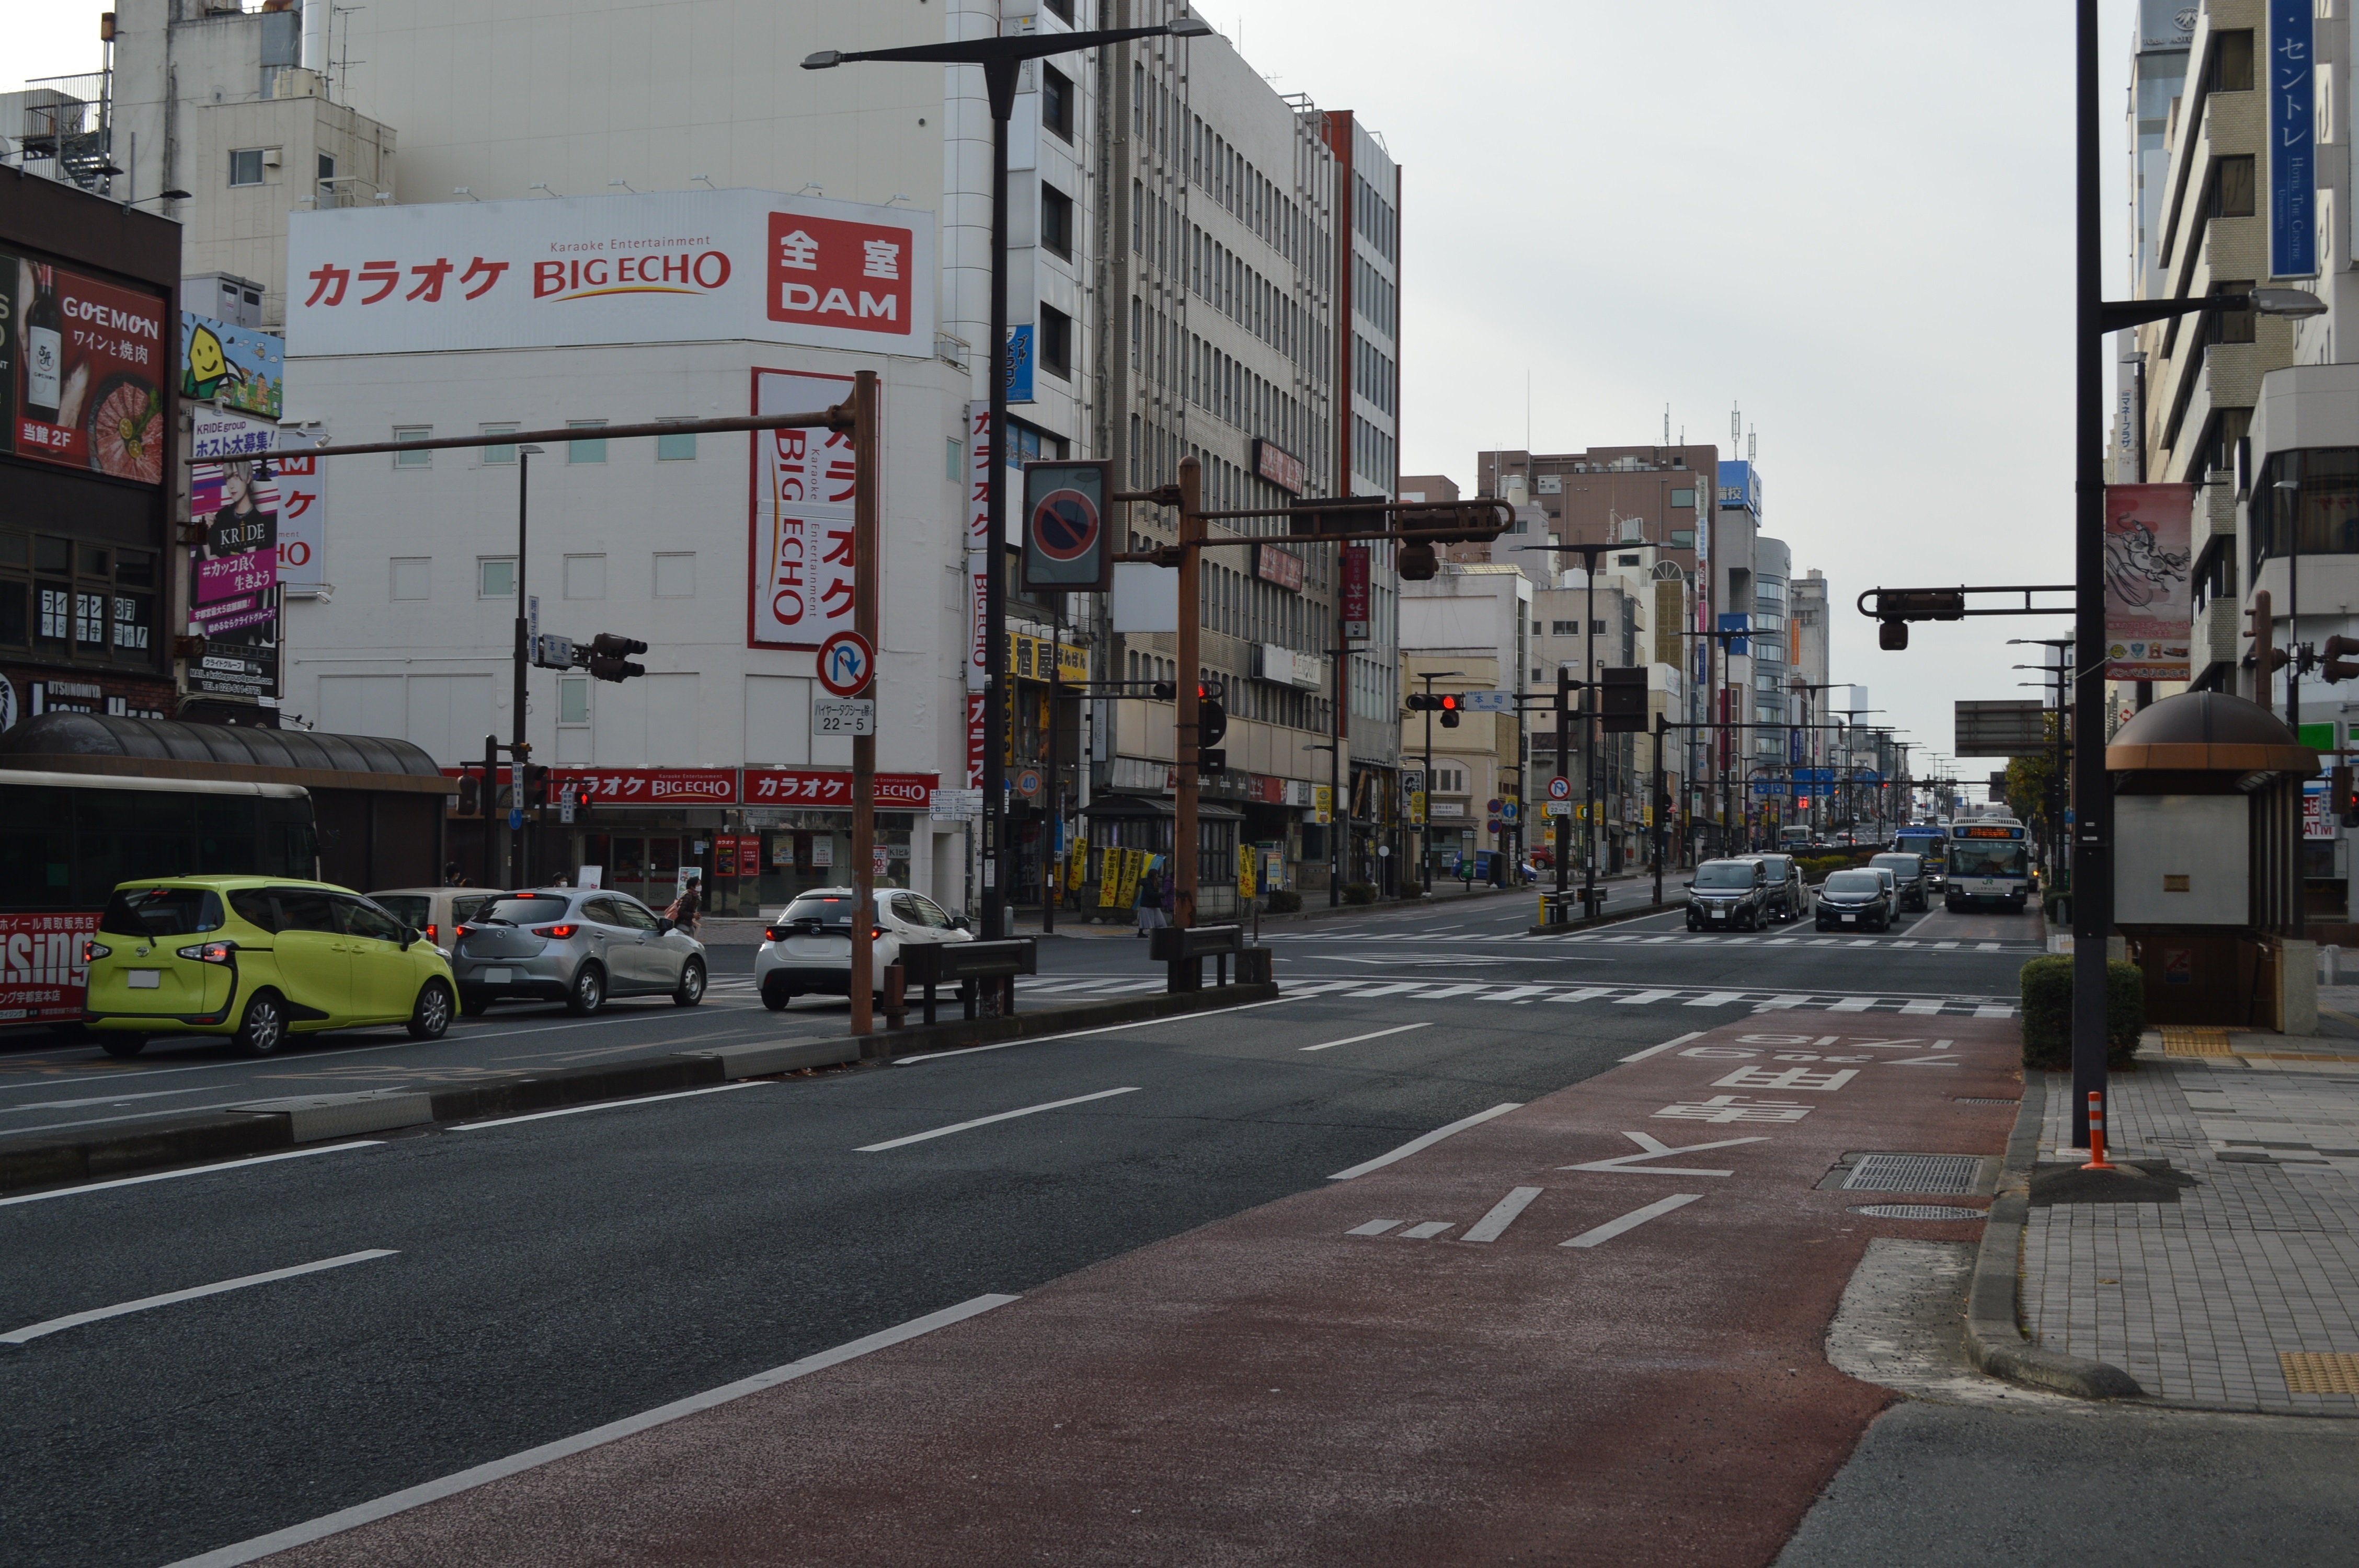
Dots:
pixel 1137 807
pixel 164 747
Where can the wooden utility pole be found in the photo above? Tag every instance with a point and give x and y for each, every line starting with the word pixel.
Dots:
pixel 1185 745
pixel 866 450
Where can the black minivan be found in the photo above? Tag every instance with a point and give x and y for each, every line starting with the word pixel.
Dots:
pixel 1733 894
pixel 1854 898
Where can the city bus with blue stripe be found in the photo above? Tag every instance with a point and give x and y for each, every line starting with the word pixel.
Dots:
pixel 1990 862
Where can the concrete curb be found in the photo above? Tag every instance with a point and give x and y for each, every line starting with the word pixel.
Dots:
pixel 1994 1343
pixel 266 1125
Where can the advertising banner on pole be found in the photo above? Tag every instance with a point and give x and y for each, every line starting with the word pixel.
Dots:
pixel 233 575
pixel 1355 593
pixel 2149 600
pixel 801 532
pixel 2292 140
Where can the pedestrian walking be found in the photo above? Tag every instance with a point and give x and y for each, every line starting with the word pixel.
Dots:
pixel 1149 908
pixel 683 911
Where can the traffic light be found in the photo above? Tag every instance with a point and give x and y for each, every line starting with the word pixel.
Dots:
pixel 1450 705
pixel 609 656
pixel 1212 719
pixel 1215 761
pixel 1625 700
pixel 2340 792
pixel 1165 691
pixel 1417 563
pixel 536 784
pixel 1892 635
pixel 1336 515
pixel 2337 655
pixel 1895 608
pixel 470 802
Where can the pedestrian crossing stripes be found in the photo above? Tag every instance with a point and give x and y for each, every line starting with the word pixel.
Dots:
pixel 1664 939
pixel 1543 995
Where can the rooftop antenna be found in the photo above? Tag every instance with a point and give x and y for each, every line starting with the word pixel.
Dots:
pixel 1667 424
pixel 1752 444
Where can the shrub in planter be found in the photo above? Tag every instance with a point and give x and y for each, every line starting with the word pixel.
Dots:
pixel 2047 1011
pixel 1412 890
pixel 1360 892
pixel 1283 903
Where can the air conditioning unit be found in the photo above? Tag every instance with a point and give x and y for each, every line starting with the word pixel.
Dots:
pixel 271 158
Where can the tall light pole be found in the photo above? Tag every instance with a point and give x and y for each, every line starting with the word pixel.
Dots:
pixel 520 751
pixel 1000 59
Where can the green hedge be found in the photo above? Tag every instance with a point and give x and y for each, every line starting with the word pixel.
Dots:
pixel 2047 1011
pixel 1284 903
pixel 1361 892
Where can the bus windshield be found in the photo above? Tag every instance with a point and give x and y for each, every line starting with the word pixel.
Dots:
pixel 2000 859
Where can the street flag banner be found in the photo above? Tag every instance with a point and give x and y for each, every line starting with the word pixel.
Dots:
pixel 2150 599
pixel 801 522
pixel 2292 139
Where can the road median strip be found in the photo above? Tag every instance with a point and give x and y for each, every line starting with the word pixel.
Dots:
pixel 268 1126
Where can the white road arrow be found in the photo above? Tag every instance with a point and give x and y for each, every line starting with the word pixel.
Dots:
pixel 1654 1150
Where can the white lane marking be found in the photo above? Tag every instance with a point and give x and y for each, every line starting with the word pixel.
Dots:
pixel 1823 942
pixel 1717 998
pixel 1854 1004
pixel 1654 1149
pixel 608 1105
pixel 1425 1140
pixel 1440 991
pixel 1777 1002
pixel 1986 946
pixel 97 1315
pixel 99 1099
pixel 193 1171
pixel 1105 1029
pixel 1643 997
pixel 987 1120
pixel 1514 992
pixel 1990 1011
pixel 1427 1231
pixel 1631 1221
pixel 1940 946
pixel 1657 1050
pixel 1374 1227
pixel 1782 942
pixel 1583 995
pixel 394 1503
pixel 1904 944
pixel 1393 989
pixel 1355 1039
pixel 1921 1009
pixel 1493 1225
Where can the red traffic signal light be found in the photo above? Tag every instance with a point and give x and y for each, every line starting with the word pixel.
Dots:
pixel 2339 791
pixel 1212 719
pixel 1450 705
pixel 607 657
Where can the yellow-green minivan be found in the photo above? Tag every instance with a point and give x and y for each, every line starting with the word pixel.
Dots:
pixel 257 959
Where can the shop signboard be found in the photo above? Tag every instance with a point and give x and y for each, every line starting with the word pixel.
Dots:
pixel 1280 466
pixel 661 267
pixel 1357 614
pixel 2292 141
pixel 2149 600
pixel 41 973
pixel 233 575
pixel 648 786
pixel 801 530
pixel 233 367
pixel 828 788
pixel 85 364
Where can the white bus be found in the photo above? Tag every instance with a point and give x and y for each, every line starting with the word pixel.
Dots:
pixel 1990 862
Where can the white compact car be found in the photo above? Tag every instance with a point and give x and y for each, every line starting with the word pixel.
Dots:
pixel 807 951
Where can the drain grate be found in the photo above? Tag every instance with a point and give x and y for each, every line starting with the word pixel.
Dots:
pixel 1918 1211
pixel 1978 1099
pixel 1914 1173
pixel 2313 1372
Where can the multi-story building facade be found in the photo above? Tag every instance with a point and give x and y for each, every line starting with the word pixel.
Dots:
pixel 1468 627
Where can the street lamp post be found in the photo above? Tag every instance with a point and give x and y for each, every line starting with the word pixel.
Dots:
pixel 520 751
pixel 1002 58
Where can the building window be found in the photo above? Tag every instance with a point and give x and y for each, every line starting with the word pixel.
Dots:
pixel 675 575
pixel 572 699
pixel 496 577
pixel 413 433
pixel 585 577
pixel 1683 538
pixel 503 453
pixel 1564 628
pixel 245 166
pixel 1056 342
pixel 592 451
pixel 680 449
pixel 1683 498
pixel 412 576
pixel 1056 101
pixel 2231 187
pixel 1057 221
pixel 2231 62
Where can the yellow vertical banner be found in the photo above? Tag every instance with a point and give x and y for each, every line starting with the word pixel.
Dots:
pixel 1110 878
pixel 1077 865
pixel 1245 870
pixel 1134 865
pixel 1323 804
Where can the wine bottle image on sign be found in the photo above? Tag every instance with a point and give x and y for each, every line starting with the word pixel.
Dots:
pixel 45 353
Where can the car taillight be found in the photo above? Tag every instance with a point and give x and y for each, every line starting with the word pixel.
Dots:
pixel 92 951
pixel 434 934
pixel 210 952
pixel 775 933
pixel 874 932
pixel 559 932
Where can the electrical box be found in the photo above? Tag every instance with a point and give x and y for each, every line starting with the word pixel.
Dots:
pixel 2182 859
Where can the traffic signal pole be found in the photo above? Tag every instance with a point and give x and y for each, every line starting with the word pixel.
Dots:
pixel 1185 746
pixel 866 543
pixel 521 749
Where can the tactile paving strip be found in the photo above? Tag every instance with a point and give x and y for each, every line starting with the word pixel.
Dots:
pixel 2316 1372
pixel 2188 1041
pixel 1914 1173
pixel 1980 1099
pixel 1918 1211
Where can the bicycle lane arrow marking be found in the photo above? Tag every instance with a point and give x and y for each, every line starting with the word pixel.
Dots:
pixel 1653 1149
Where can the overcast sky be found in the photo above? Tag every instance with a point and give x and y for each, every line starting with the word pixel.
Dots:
pixel 1851 220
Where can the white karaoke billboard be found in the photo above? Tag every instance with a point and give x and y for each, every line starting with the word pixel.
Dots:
pixel 678 266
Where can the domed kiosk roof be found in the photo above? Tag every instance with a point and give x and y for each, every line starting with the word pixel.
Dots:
pixel 2208 731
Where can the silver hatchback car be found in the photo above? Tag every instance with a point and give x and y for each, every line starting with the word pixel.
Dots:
pixel 578 945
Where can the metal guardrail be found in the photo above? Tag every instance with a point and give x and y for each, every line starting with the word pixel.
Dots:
pixel 1183 950
pixel 970 966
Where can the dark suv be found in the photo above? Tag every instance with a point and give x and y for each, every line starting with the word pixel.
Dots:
pixel 1908 878
pixel 1730 893
pixel 1855 898
pixel 1789 895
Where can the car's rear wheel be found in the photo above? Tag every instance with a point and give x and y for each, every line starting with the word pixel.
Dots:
pixel 263 1031
pixel 692 984
pixel 431 1018
pixel 122 1047
pixel 776 994
pixel 471 1001
pixel 589 992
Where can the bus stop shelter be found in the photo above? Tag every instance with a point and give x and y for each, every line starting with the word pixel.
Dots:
pixel 379 803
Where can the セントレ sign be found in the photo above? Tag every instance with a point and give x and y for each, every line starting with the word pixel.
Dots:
pixel 677 266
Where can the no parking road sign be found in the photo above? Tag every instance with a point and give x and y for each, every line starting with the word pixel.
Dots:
pixel 846 664
pixel 1065 533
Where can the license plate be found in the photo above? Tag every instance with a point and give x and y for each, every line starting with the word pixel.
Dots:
pixel 143 979
pixel 1850 917
pixel 498 977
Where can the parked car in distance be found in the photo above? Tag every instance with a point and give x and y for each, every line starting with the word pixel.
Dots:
pixel 257 959
pixel 435 913
pixel 1789 893
pixel 1858 897
pixel 1730 893
pixel 807 951
pixel 1908 878
pixel 577 945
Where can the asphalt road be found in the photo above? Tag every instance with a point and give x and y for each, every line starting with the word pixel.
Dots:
pixel 531 1279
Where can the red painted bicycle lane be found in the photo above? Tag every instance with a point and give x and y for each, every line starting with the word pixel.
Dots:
pixel 1273 1389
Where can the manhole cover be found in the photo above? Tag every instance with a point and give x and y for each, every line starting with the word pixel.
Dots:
pixel 1914 1173
pixel 1918 1211
pixel 1978 1099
